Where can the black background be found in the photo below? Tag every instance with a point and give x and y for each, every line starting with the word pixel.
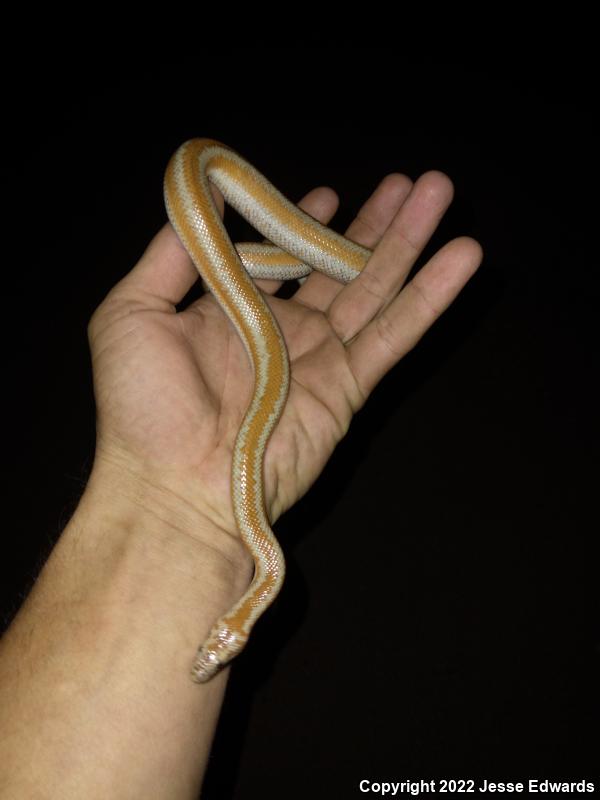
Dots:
pixel 439 618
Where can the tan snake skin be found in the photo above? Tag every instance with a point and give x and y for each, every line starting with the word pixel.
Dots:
pixel 300 244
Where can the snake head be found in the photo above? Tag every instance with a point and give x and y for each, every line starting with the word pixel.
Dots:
pixel 219 648
pixel 206 664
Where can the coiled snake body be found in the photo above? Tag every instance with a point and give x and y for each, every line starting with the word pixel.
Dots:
pixel 300 244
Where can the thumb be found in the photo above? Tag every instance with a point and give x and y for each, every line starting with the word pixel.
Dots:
pixel 165 273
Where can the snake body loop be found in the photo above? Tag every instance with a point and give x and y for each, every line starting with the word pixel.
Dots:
pixel 300 244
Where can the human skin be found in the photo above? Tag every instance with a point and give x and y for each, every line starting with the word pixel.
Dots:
pixel 96 699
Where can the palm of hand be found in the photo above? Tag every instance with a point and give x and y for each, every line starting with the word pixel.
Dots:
pixel 172 388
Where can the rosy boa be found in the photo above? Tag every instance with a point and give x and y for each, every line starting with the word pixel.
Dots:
pixel 300 244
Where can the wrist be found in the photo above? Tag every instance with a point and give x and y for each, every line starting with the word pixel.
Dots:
pixel 169 501
pixel 125 511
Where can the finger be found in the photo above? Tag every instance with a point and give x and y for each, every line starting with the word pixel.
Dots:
pixel 321 204
pixel 370 224
pixel 385 273
pixel 395 331
pixel 165 273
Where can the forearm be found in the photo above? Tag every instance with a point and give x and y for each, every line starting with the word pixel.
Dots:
pixel 95 695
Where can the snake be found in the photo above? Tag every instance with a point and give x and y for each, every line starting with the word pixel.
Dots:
pixel 295 244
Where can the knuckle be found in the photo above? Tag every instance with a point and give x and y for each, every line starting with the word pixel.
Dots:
pixel 386 333
pixel 370 282
pixel 422 298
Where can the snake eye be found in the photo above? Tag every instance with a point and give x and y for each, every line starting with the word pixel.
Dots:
pixel 227 638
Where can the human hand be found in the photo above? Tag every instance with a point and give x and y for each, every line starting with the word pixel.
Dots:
pixel 172 387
